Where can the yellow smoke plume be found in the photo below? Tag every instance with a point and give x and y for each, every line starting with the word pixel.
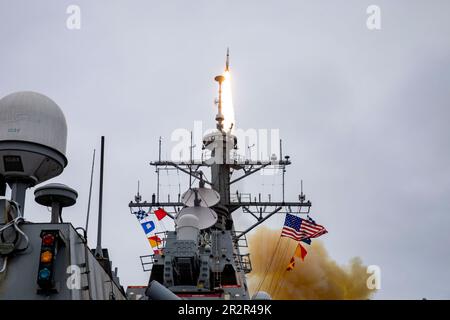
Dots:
pixel 317 277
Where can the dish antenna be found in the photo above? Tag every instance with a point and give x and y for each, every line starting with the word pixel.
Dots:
pixel 206 216
pixel 205 197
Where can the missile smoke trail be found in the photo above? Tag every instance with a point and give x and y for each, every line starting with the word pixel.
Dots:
pixel 317 277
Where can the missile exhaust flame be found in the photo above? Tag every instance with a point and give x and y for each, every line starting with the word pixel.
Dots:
pixel 227 102
pixel 225 116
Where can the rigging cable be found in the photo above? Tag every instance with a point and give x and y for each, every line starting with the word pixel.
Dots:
pixel 277 283
pixel 281 277
pixel 90 193
pixel 277 266
pixel 268 267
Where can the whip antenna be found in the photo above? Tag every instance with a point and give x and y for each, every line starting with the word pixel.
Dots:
pixel 90 193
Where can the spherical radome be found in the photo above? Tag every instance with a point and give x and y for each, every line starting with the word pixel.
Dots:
pixel 32 117
pixel 33 138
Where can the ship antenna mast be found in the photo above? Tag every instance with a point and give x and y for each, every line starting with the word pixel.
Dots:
pixel 90 193
pixel 98 249
pixel 219 116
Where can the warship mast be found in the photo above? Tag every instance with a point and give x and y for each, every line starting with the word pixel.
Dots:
pixel 209 264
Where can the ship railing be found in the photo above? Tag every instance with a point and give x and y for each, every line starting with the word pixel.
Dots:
pixel 163 236
pixel 240 197
pixel 240 242
pixel 147 262
pixel 243 262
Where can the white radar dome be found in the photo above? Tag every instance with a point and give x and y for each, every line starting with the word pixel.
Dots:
pixel 187 227
pixel 33 137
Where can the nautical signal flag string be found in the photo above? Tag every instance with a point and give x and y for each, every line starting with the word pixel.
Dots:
pixel 301 230
pixel 300 252
pixel 291 264
pixel 155 241
pixel 149 227
pixel 160 213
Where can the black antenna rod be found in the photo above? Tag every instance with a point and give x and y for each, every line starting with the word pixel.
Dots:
pixel 281 150
pixel 157 171
pixel 138 197
pixel 159 150
pixel 98 250
pixel 90 193
pixel 302 195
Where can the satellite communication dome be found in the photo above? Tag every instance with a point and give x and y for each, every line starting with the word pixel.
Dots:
pixel 33 137
pixel 57 196
pixel 55 193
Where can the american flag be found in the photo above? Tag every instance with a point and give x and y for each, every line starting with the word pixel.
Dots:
pixel 298 229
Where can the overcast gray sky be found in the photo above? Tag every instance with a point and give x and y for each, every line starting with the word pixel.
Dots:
pixel 363 114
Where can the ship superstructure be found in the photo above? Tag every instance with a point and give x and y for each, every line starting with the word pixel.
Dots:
pixel 44 260
pixel 202 258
